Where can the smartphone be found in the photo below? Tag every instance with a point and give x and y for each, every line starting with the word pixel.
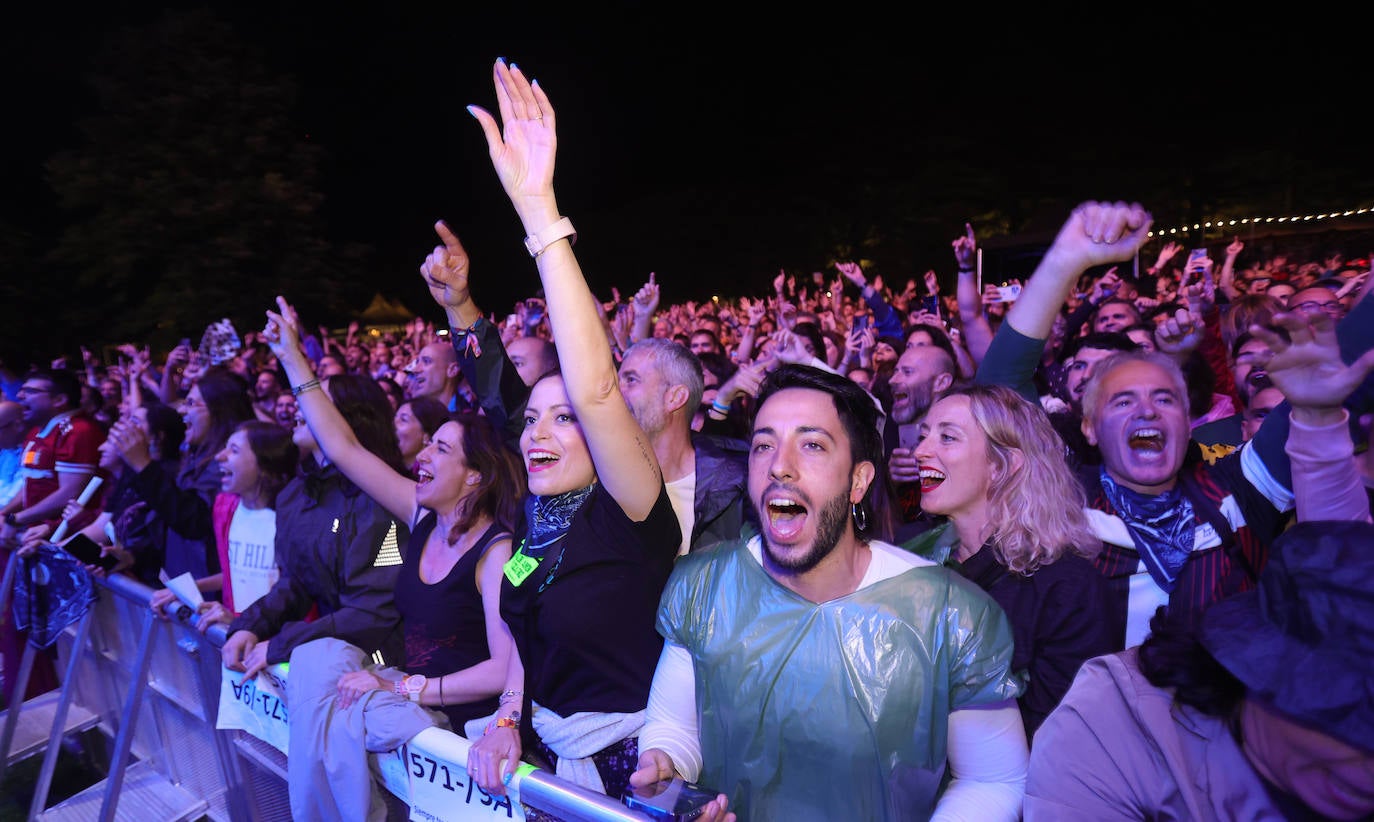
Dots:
pixel 672 799
pixel 85 549
pixel 931 303
pixel 1195 257
pixel 862 322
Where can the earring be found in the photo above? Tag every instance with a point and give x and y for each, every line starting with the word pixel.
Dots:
pixel 860 516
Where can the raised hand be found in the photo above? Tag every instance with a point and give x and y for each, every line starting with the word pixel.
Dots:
pixel 1233 250
pixel 522 147
pixel 1180 334
pixel 1098 233
pixel 965 250
pixel 1167 253
pixel 853 273
pixel 445 271
pixel 282 332
pixel 1105 286
pixel 932 283
pixel 1307 367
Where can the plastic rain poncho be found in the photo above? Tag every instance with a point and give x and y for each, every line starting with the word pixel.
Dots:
pixel 836 710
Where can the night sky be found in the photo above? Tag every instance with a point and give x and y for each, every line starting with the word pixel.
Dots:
pixel 694 141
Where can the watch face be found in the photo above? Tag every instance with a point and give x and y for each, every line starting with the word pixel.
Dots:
pixel 416 683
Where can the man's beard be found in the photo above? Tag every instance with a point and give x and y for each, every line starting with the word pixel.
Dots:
pixel 651 419
pixel 830 526
pixel 919 398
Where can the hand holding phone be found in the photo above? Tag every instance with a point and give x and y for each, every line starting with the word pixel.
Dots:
pixel 85 549
pixel 675 800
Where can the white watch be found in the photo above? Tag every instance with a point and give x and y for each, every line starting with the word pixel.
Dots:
pixel 411 686
pixel 537 242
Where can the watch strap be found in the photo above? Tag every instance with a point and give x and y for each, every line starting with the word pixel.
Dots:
pixel 536 243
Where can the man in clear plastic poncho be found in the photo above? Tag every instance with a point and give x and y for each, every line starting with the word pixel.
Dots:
pixel 812 672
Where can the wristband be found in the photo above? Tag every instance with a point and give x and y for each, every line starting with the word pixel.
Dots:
pixel 720 406
pixel 308 385
pixel 963 270
pixel 537 242
pixel 12 520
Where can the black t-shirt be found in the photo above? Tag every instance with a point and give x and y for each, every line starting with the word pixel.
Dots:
pixel 587 640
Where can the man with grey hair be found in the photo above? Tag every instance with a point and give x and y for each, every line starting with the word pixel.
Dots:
pixel 1175 530
pixel 706 476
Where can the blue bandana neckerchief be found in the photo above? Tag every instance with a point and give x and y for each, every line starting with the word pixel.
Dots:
pixel 1162 527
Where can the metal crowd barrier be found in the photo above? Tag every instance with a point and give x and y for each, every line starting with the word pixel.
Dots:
pixel 152 688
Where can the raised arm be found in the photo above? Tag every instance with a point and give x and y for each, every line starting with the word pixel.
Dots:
pixel 972 318
pixel 1096 233
pixel 522 151
pixel 336 439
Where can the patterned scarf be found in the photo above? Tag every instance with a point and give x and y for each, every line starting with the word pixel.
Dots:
pixel 1161 526
pixel 549 518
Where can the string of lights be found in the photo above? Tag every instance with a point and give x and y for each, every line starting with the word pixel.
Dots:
pixel 1224 223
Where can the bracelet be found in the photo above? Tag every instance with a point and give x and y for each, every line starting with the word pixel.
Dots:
pixel 507 696
pixel 308 385
pixel 537 242
pixel 720 406
pixel 963 270
pixel 441 692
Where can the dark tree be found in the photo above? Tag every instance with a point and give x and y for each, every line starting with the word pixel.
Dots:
pixel 193 196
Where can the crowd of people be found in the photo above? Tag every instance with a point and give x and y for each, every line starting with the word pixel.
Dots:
pixel 1086 546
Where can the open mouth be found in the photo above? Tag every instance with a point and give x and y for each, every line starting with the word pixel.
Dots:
pixel 1149 440
pixel 786 516
pixel 540 460
pixel 423 477
pixel 930 478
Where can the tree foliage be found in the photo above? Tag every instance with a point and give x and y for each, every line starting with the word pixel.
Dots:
pixel 193 195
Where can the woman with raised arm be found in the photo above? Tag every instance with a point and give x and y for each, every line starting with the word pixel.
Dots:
pixel 599 535
pixel 461 510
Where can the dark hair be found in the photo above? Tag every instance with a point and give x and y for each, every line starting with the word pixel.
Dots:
pixel 64 383
pixel 1173 656
pixel 225 395
pixel 429 412
pixel 368 412
pixel 501 490
pixel 859 416
pixel 165 427
pixel 812 333
pixel 718 364
pixel 1148 328
pixel 392 389
pixel 1104 340
pixel 278 457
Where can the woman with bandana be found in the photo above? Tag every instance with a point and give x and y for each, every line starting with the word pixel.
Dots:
pixel 599 535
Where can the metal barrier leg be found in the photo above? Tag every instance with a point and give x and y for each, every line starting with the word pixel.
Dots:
pixel 125 740
pixel 59 720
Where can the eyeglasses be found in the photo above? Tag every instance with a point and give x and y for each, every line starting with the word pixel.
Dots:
pixel 1333 307
pixel 26 390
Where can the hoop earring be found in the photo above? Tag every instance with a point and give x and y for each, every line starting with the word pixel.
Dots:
pixel 860 516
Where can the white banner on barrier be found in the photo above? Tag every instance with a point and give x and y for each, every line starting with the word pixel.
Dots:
pixel 257 706
pixel 440 791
